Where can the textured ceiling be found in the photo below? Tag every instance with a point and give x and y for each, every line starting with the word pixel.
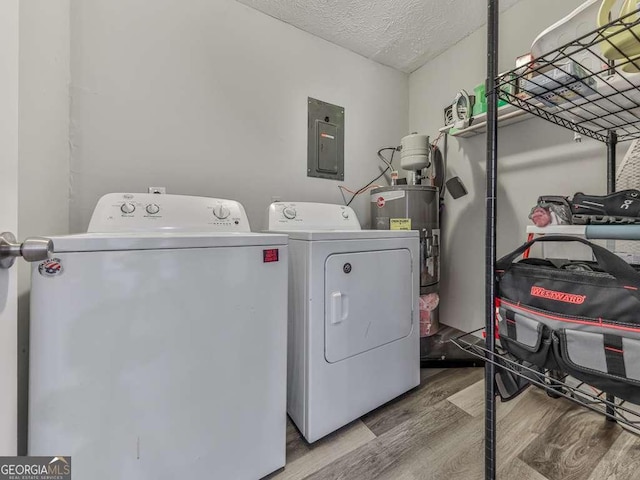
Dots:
pixel 403 34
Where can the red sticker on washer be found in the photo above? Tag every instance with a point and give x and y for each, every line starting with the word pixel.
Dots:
pixel 381 202
pixel 271 255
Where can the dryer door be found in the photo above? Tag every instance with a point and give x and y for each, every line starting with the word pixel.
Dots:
pixel 369 298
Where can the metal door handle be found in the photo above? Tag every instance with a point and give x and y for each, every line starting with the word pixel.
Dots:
pixel 32 249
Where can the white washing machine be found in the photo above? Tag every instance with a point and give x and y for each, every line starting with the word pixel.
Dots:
pixel 161 354
pixel 353 315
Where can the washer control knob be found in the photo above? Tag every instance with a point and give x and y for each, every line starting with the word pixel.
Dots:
pixel 221 212
pixel 345 214
pixel 128 208
pixel 152 209
pixel 289 212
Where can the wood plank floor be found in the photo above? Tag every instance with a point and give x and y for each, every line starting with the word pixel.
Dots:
pixel 435 432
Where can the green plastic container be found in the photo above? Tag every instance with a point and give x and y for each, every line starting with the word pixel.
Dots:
pixel 481 100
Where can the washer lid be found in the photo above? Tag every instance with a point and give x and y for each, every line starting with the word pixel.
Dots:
pixel 312 235
pixel 93 242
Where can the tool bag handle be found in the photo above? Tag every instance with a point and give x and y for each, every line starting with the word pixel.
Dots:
pixel 626 275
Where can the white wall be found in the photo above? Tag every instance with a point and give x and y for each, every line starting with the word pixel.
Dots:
pixel 9 54
pixel 44 117
pixel 209 97
pixel 43 147
pixel 535 158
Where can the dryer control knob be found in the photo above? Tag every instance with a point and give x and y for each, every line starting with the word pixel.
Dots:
pixel 345 214
pixel 221 212
pixel 128 208
pixel 289 212
pixel 152 209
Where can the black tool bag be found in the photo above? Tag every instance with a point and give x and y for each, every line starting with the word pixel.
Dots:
pixel 579 317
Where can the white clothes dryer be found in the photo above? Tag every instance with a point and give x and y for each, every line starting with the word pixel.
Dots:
pixel 353 340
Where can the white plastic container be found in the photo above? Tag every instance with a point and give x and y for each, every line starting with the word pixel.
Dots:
pixel 578 23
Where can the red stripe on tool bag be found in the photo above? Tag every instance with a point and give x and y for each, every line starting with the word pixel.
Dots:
pixel 571 320
pixel 614 354
pixel 511 325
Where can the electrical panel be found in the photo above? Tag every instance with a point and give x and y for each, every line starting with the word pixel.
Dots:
pixel 325 157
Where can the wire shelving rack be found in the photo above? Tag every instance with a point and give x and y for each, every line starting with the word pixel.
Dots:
pixel 578 88
pixel 557 384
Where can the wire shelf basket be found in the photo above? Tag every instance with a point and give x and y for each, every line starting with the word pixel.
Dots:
pixel 579 87
pixel 555 383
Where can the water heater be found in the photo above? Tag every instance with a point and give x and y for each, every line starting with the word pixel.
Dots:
pixel 414 207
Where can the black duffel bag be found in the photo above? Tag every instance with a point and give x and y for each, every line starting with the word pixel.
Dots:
pixel 579 317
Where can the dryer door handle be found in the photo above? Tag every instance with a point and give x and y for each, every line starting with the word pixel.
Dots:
pixel 339 307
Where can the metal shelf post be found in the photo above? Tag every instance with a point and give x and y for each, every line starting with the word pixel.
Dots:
pixel 490 245
pixel 612 143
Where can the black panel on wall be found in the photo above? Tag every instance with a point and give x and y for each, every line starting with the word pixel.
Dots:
pixel 325 157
